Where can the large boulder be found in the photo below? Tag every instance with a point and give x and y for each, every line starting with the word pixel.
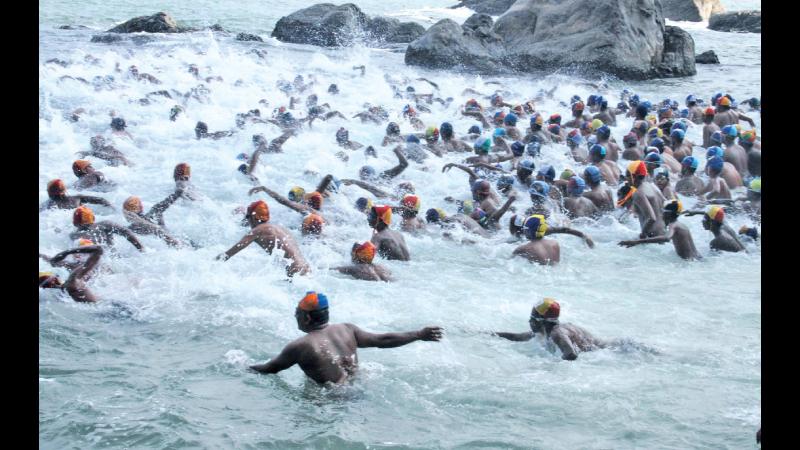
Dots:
pixel 248 37
pixel 737 21
pixel 691 10
pixel 707 57
pixel 157 23
pixel 492 7
pixel 620 37
pixel 328 25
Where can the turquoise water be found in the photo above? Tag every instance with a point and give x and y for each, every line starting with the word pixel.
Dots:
pixel 172 373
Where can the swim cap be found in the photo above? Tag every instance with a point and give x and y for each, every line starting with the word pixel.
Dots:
pixel 535 227
pixel 367 172
pixel 517 148
pixel 730 131
pixel 446 130
pixel 724 101
pixel 56 188
pixel 479 216
pixel 363 204
pixel 747 231
pixel 539 189
pixel 472 103
pixel 674 206
pixel 647 105
pixel 684 113
pixel 82 216
pixel 678 134
pixel 690 161
pixel 260 210
pixel 363 253
pixel 537 119
pixel 313 301
pixel 691 99
pixel 242 157
pixel 312 224
pixel 548 309
pixel 342 135
pixel 658 143
pixel 716 138
pixel 296 194
pixel 755 185
pixel 678 125
pixel 382 213
pixel 653 157
pixel 133 204
pixel 467 206
pixel 314 199
pixel 591 100
pixel 604 132
pixel 578 107
pixel 748 137
pixel 714 151
pixel 637 168
pixel 411 202
pixel 576 185
pixel 48 280
pixel 79 167
pixel 651 119
pixel 709 111
pixel 434 215
pixel 432 134
pixel 482 145
pixel 526 164
pixel 474 130
pixel 555 118
pixel 592 140
pixel 182 170
pixel 548 172
pixel 567 174
pixel 716 213
pixel 409 110
pixel 634 100
pixel 622 106
pixel 534 148
pixel 625 194
pixel 83 242
pixel 661 172
pixel 499 132
pixel 510 119
pixel 654 132
pixel 596 124
pixel 393 128
pixel 575 138
pixel 118 123
pixel 505 181
pixel 496 99
pixel 715 163
pixel 598 150
pixel 593 173
pixel 630 140
pixel 554 128
pixel 482 187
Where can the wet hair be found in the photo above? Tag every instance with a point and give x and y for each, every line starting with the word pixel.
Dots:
pixel 318 317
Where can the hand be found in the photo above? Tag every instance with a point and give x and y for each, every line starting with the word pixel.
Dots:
pixel 589 242
pixel 430 334
pixel 512 195
pixel 256 189
pixel 222 257
pixel 44 257
pixel 447 167
pixel 347 182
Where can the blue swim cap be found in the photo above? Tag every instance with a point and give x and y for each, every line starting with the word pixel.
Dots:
pixel 647 105
pixel 730 131
pixel 684 113
pixel 592 100
pixel 604 132
pixel 716 138
pixel 658 143
pixel 714 151
pixel 603 103
pixel 539 189
pixel 716 163
pixel 574 99
pixel 622 106
pixel 432 215
pixel 411 138
pixel 678 133
pixel 691 99
pixel 242 157
pixel 576 185
pixel 527 164
pixel 367 172
pixel 653 157
pixel 511 119
pixel 505 181
pixel 634 100
pixel 517 148
pixel 642 110
pixel 598 150
pixel 482 145
pixel 678 125
pixel 362 203
pixel 591 141
pixel 534 148
pixel 690 161
pixel 593 173
pixel 548 172
pixel 576 139
pixel 446 129
pixel 499 132
pixel 474 130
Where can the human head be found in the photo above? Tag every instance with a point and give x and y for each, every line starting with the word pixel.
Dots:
pixel 547 174
pixel 333 89
pixel 432 135
pixel 118 124
pixel 481 189
pixel 652 160
pixel 708 115
pixel 82 216
pixel 714 217
pixel 577 109
pixel 672 209
pixel 296 194
pixel 446 130
pixel 754 189
pixel 658 143
pixel 363 204
pixel 677 136
pixel 592 176
pixel 539 191
pixel 56 189
pixel 515 225
pixel 603 133
pixel 257 213
pixel 312 311
pixel 380 217
pixel 554 128
pixel 536 122
pixel 435 215
pixel 82 167
pixel 535 227
pixel 474 130
pixel 546 312
pixel 689 165
pixel 133 204
pixel 636 172
pixel 576 186
pixel 574 139
pixel 342 136
pixel 312 224
pixel 661 177
pixel 729 133
pixel 49 280
pixel 525 169
pixel 367 173
pixel 393 129
pixel 715 165
pixel 724 103
pixel 597 153
pixel 411 205
pixel 505 183
pixel 201 130
pixel 182 172
pixel 510 120
pixel 482 145
pixel 534 147
pixel 313 199
pixel 630 140
pixel 747 139
pixel 362 253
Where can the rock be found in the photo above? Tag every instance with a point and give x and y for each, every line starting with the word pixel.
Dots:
pixel 708 57
pixel 492 7
pixel 248 37
pixel 691 10
pixel 623 38
pixel 478 20
pixel 737 21
pixel 73 27
pixel 217 27
pixel 329 25
pixel 157 23
pixel 106 38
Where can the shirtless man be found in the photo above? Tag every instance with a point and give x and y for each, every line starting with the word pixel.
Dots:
pixel 343 139
pixel 677 232
pixel 105 152
pixel 725 239
pixel 689 183
pixel 575 203
pixel 716 187
pixel 409 209
pixel 608 169
pixel 539 250
pixel 75 285
pixel 727 116
pixel 661 180
pixel 328 353
pixel 612 149
pixel 695 111
pixel 100 232
pixel 392 135
pixel 734 154
pixel 437 216
pixel 577 115
pixel 390 243
pixel 605 114
pixel 57 192
pixel 201 132
pixel 568 338
pixel 269 237
pixel 646 200
pixel 88 177
pixel 362 267
pixel 450 143
pixel 680 147
pixel 710 127
pixel 311 202
pixel 601 196
pixel 153 221
pixel 632 150
pixel 118 126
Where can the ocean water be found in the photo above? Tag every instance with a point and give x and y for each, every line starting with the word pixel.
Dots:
pixel 162 361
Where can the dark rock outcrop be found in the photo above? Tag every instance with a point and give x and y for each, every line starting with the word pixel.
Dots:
pixel 328 25
pixel 106 38
pixel 691 10
pixel 491 7
pixel 619 37
pixel 708 57
pixel 737 21
pixel 248 37
pixel 73 27
pixel 157 23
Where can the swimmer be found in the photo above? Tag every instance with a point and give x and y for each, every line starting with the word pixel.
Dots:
pixel 107 153
pixel 716 187
pixel 392 135
pixel 601 196
pixel 75 285
pixel 647 199
pixel 328 353
pixel 725 239
pixel 710 126
pixel 182 175
pixel 576 204
pixel 608 169
pixel 661 180
pixel 343 140
pixel 88 177
pixel 118 126
pixel 568 338
pixel 153 221
pixel 269 237
pixel 201 132
pixel 58 198
pixel 689 183
pixel 632 150
pixel 603 134
pixel 677 232
pixel 681 148
pixel 100 232
pixel 536 123
pixel 362 267
pixel 450 142
pixel 734 154
pixel 409 209
pixel 695 110
pixel 311 203
pixel 577 115
pixel 540 250
pixel 390 243
pixel 606 115
pixel 727 116
pixel 439 217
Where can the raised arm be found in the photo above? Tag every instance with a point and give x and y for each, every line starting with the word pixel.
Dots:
pixel 239 246
pixel 502 210
pixel 389 340
pixel 399 168
pixel 377 192
pixel 157 211
pixel 94 200
pixel 488 166
pixel 283 200
pixel 472 175
pixel 285 359
pixel 323 185
pixel 75 284
pixel 124 232
pixel 572 231
pixel 518 337
pixel 478 116
pixel 276 145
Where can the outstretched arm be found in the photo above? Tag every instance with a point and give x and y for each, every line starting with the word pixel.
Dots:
pixel 75 284
pixel 574 232
pixel 126 233
pixel 399 168
pixel 488 166
pixel 478 116
pixel 94 200
pixel 518 337
pixel 285 359
pixel 239 246
pixel 389 340
pixel 652 240
pixel 283 200
pixel 746 119
pixel 377 192
pixel 157 211
pixel 276 145
pixel 472 175
pixel 502 210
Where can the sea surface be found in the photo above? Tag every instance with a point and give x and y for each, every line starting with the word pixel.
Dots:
pixel 161 361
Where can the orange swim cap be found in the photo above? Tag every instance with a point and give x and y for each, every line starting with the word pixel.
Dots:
pixel 312 224
pixel 314 199
pixel 724 101
pixel 383 213
pixel 56 188
pixel 363 253
pixel 79 167
pixel 716 213
pixel 709 111
pixel 259 210
pixel 133 204
pixel 82 216
pixel 83 242
pixel 637 167
pixel 411 202
pixel 182 170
